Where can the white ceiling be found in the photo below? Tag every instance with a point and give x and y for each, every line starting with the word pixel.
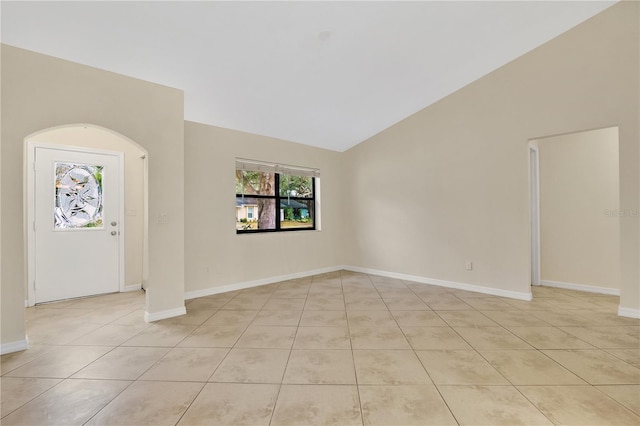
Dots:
pixel 327 74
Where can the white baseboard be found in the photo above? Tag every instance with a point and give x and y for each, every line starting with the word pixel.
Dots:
pixel 20 345
pixel 628 312
pixel 169 313
pixel 422 280
pixel 256 283
pixel 442 283
pixel 132 287
pixel 581 287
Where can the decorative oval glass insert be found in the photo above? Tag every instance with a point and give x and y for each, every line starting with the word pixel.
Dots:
pixel 78 201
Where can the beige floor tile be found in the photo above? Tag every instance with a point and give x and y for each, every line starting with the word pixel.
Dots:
pixel 412 303
pixel 511 318
pixel 252 366
pixel 558 303
pixel 562 318
pixel 148 403
pixel 212 336
pixel 325 293
pixel 110 335
pixel 403 405
pixel 537 304
pixel 231 318
pixel 632 356
pixel 320 367
pixel 627 395
pixel 61 362
pixel 105 316
pixel 161 335
pixel 47 313
pixel 487 303
pixel 317 405
pixel 578 405
pixel 323 319
pixel 373 304
pixel 610 318
pixel 389 367
pixel 186 365
pixel 398 293
pixel 291 293
pixel 378 338
pixel 418 319
pixel 459 367
pixel 467 294
pixel 353 284
pixel 322 304
pixel 72 402
pixel 608 337
pixel 466 319
pixel 192 317
pixel 284 304
pixel 491 338
pixel 14 360
pixel 17 391
pixel 322 338
pixel 134 318
pixel 388 282
pixel 122 363
pixel 206 335
pixel 425 290
pixel 205 303
pixel 491 405
pixel 228 404
pixel 247 302
pixel 549 338
pixel 597 367
pixel 284 317
pixel 267 337
pixel 59 332
pixel 425 338
pixel 368 319
pixel 446 302
pixel 355 295
pixel 530 367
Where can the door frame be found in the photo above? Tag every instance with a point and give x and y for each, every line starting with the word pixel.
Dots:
pixel 30 201
pixel 534 203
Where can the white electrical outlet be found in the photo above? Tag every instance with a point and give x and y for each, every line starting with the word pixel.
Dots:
pixel 469 265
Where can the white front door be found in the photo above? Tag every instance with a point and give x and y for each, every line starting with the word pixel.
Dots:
pixel 76 223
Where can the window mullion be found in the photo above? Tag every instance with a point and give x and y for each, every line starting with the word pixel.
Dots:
pixel 277 193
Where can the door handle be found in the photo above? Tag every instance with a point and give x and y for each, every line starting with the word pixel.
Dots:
pixel 114 233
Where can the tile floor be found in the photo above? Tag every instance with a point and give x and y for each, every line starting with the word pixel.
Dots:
pixel 340 348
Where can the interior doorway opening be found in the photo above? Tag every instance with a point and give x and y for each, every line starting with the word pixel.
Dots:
pixel 574 211
pixel 130 229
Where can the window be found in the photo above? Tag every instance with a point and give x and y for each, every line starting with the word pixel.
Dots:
pixel 272 198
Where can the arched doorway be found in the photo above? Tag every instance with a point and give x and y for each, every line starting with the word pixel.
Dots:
pixel 86 206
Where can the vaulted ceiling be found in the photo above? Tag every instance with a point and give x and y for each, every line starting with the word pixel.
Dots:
pixel 329 74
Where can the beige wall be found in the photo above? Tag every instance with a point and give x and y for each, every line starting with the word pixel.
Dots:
pixel 463 162
pixel 579 208
pixel 40 92
pixel 215 255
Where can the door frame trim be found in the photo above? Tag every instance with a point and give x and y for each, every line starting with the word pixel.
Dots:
pixel 29 217
pixel 534 211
